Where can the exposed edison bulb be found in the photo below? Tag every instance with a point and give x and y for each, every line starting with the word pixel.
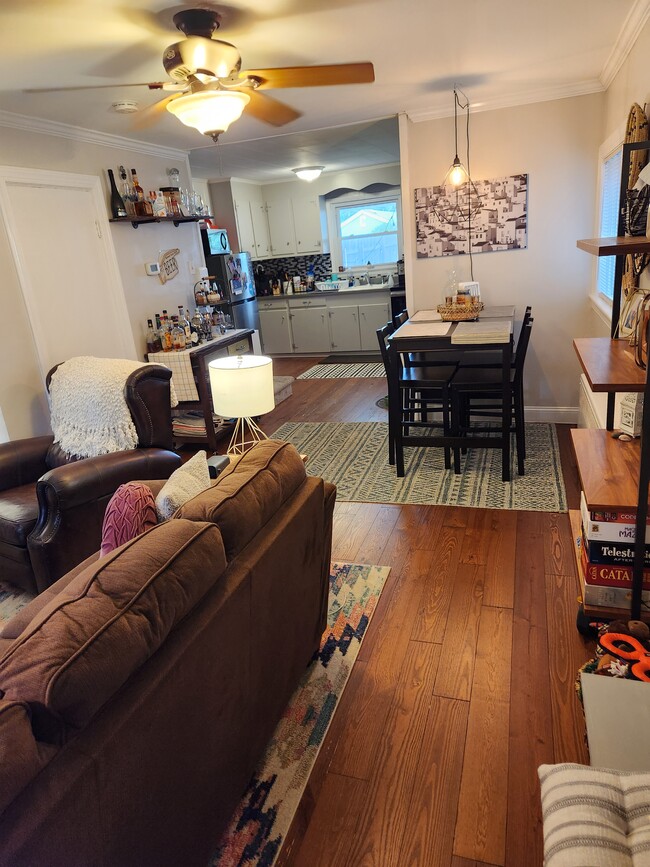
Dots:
pixel 457 174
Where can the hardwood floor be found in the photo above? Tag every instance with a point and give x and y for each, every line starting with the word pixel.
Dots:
pixel 464 684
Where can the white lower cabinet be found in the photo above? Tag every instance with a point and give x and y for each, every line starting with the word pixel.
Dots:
pixel 310 329
pixel 372 317
pixel 276 331
pixel 344 328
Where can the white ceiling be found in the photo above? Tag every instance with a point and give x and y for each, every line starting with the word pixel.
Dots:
pixel 501 52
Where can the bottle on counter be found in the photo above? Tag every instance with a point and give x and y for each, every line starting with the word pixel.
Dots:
pixel 118 208
pixel 197 323
pixel 178 335
pixel 127 193
pixel 153 340
pixel 166 332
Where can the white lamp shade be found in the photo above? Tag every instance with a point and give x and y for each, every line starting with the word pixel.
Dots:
pixel 209 111
pixel 242 385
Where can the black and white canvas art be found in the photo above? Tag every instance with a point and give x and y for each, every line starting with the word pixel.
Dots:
pixel 482 215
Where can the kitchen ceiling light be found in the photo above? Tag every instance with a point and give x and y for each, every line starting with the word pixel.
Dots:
pixel 308 173
pixel 209 111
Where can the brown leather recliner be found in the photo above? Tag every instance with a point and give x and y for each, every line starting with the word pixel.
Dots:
pixel 52 506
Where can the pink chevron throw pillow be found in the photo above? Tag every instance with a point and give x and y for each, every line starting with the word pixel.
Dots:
pixel 131 511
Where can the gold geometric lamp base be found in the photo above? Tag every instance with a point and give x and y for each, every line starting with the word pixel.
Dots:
pixel 242 388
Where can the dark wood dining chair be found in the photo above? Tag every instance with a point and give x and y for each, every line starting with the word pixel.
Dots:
pixel 423 390
pixel 477 392
pixel 400 319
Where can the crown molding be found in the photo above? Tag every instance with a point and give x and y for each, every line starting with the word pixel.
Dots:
pixel 628 34
pixel 544 94
pixel 79 133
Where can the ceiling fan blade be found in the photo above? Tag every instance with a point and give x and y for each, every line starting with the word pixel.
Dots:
pixel 152 113
pixel 313 76
pixel 152 85
pixel 269 110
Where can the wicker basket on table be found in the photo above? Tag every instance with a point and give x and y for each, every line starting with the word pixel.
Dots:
pixel 460 312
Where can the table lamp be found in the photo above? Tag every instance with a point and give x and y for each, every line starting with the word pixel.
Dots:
pixel 242 387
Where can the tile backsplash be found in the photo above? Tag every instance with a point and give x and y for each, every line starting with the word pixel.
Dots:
pixel 296 265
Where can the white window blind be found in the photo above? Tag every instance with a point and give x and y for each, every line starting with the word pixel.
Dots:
pixel 610 191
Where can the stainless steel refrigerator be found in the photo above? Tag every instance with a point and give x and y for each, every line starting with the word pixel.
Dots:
pixel 233 274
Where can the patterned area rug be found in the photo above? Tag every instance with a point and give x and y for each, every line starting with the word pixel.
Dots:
pixel 12 599
pixel 354 456
pixel 343 371
pixel 264 815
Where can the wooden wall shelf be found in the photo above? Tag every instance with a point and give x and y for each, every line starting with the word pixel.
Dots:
pixel 615 246
pixel 608 468
pixel 136 221
pixel 609 364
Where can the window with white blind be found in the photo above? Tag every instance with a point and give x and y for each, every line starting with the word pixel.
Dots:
pixel 609 195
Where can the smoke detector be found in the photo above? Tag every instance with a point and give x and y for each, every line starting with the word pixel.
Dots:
pixel 125 106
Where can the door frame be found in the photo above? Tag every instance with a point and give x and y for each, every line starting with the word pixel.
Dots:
pixel 17 176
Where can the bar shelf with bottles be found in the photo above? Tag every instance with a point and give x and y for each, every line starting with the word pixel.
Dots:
pixel 164 205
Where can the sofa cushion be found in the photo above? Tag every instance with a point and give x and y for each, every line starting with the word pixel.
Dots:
pixel 18 514
pixel 20 756
pixel 247 494
pixel 184 483
pixel 595 816
pixel 130 512
pixel 82 646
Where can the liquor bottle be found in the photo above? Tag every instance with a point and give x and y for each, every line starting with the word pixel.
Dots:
pixel 184 319
pixel 143 207
pixel 166 333
pixel 197 324
pixel 127 193
pixel 153 340
pixel 178 335
pixel 118 209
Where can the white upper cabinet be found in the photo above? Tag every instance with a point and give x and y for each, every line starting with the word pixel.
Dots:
pixel 281 226
pixel 252 225
pixel 306 218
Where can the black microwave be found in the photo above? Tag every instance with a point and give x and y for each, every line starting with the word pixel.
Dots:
pixel 215 241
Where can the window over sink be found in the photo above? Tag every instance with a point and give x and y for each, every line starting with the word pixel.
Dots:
pixel 365 229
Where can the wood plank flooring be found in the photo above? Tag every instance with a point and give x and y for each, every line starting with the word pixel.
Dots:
pixel 464 683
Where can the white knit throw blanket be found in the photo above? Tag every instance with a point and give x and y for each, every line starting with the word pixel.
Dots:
pixel 89 413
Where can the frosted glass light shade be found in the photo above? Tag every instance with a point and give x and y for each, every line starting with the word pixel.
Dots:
pixel 209 111
pixel 308 173
pixel 242 385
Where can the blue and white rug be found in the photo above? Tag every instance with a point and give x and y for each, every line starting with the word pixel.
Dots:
pixel 354 456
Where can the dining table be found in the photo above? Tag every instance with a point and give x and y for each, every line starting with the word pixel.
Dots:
pixel 436 342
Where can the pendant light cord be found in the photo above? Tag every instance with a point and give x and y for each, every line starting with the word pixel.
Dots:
pixel 465 107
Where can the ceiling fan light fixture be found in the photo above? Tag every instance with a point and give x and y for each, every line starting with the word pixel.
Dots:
pixel 211 112
pixel 308 173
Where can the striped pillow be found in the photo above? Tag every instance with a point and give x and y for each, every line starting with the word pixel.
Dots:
pixel 595 817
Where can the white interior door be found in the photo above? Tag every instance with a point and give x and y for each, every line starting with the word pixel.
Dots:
pixel 60 239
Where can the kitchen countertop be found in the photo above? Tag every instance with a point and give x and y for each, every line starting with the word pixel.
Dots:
pixel 351 290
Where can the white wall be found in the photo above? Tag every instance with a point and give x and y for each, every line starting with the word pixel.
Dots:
pixel 21 389
pixel 556 144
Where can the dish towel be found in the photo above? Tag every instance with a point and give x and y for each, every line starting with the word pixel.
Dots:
pixel 89 413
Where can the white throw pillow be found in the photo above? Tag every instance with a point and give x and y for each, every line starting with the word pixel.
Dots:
pixel 183 484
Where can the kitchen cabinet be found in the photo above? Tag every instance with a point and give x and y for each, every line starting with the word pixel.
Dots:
pixel 310 329
pixel 294 223
pixel 372 317
pixel 344 328
pixel 276 330
pixel 252 223
pixel 281 227
pixel 306 219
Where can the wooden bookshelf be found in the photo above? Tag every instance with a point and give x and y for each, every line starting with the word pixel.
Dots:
pixel 609 364
pixel 615 246
pixel 608 468
pixel 597 612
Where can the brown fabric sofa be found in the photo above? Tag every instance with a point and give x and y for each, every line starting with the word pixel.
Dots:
pixel 139 691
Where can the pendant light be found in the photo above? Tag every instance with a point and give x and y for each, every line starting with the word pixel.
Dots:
pixel 462 202
pixel 457 174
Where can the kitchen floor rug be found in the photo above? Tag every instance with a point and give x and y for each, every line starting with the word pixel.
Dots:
pixel 12 599
pixel 354 456
pixel 260 823
pixel 344 371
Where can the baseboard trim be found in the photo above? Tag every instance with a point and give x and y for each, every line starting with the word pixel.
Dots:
pixel 553 414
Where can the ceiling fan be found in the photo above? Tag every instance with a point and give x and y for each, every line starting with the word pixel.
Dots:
pixel 209 90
